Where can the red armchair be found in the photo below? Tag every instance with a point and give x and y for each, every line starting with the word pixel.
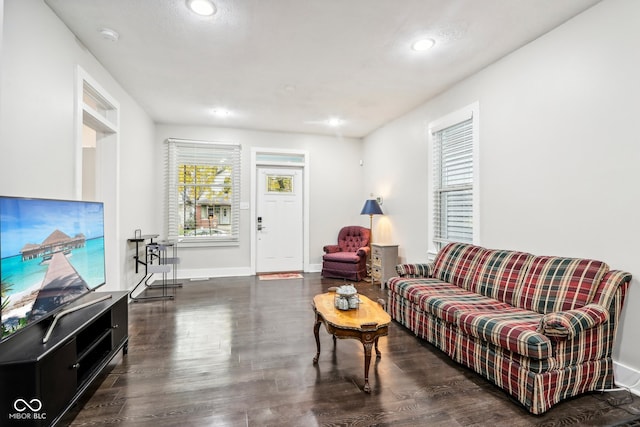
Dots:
pixel 347 259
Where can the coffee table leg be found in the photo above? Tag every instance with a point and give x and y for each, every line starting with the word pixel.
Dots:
pixel 367 362
pixel 316 332
pixel 378 354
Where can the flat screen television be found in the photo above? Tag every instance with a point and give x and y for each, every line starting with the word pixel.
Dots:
pixel 51 253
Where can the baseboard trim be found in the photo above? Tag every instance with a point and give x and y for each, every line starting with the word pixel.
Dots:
pixel 208 273
pixel 199 274
pixel 314 268
pixel 627 377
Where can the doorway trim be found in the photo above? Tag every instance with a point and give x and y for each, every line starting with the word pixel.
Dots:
pixel 103 115
pixel 279 157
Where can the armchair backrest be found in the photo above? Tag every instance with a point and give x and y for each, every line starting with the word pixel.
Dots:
pixel 353 237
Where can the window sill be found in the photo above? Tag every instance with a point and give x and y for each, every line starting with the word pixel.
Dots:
pixel 184 242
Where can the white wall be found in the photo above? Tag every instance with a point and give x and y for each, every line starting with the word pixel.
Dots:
pixel 37 147
pixel 559 162
pixel 335 192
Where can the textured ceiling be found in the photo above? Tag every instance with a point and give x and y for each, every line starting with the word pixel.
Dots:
pixel 289 65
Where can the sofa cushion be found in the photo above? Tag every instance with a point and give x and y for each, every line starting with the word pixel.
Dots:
pixel 499 274
pixel 442 299
pixel 559 284
pixel 511 328
pixel 450 307
pixel 415 290
pixel 456 263
pixel 349 257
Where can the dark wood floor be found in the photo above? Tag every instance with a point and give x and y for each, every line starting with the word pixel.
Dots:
pixel 238 352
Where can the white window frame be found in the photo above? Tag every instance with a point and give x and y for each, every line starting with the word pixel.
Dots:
pixel 469 112
pixel 232 154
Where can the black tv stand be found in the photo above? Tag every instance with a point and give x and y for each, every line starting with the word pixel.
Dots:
pixel 41 381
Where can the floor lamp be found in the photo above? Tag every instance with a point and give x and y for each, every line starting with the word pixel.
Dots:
pixel 371 208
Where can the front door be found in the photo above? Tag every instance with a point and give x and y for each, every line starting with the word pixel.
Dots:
pixel 279 222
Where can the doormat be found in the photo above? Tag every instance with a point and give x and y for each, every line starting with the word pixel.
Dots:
pixel 280 276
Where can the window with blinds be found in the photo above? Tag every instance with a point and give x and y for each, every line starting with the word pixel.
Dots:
pixel 203 191
pixel 453 184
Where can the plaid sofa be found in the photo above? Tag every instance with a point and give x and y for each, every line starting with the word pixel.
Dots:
pixel 540 327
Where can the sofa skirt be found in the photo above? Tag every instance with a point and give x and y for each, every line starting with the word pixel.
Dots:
pixel 344 270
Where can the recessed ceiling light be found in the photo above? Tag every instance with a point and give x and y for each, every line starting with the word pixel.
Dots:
pixel 335 121
pixel 221 112
pixel 423 44
pixel 202 7
pixel 109 34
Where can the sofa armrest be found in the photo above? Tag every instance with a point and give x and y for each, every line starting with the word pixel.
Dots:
pixel 414 270
pixel 329 249
pixel 568 324
pixel 611 283
pixel 363 251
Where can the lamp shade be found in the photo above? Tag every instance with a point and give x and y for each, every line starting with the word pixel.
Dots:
pixel 371 207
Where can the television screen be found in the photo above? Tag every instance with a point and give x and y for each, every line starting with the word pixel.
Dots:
pixel 52 252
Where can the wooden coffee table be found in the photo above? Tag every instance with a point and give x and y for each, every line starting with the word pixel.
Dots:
pixel 366 323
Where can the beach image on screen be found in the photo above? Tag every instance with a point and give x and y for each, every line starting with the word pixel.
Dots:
pixel 51 252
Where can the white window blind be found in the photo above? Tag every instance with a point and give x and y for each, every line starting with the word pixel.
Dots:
pixel 453 184
pixel 203 191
